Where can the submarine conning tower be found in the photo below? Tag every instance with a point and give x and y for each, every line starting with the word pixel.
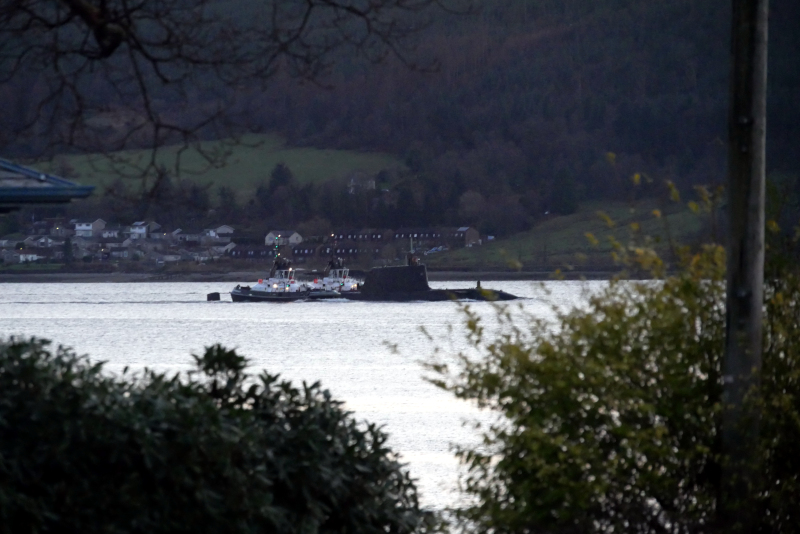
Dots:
pixel 388 280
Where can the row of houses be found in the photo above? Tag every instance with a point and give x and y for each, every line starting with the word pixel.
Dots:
pixel 148 240
pixel 464 236
pixel 359 244
pixel 77 248
pixel 98 228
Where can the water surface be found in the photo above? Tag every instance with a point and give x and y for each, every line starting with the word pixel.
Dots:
pixel 343 344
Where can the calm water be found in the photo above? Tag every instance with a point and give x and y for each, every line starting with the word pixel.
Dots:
pixel 343 344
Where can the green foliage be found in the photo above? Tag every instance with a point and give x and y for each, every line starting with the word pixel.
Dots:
pixel 244 166
pixel 280 176
pixel 562 241
pixel 609 419
pixel 564 199
pixel 81 451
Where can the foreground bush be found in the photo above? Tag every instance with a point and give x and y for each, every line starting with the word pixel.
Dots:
pixel 610 422
pixel 217 452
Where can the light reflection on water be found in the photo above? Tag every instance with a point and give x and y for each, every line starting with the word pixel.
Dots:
pixel 343 344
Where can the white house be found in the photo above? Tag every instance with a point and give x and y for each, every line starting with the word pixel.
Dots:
pixel 219 234
pixel 89 228
pixel 283 237
pixel 142 229
pixel 187 236
pixel 219 231
pixel 115 247
pixel 42 242
pixel 27 255
pixel 111 232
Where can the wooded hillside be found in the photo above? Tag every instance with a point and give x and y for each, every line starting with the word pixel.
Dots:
pixel 535 106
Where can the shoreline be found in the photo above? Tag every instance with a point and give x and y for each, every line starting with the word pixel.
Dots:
pixel 249 276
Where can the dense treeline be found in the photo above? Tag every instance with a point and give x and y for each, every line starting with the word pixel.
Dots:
pixel 529 92
pixel 535 106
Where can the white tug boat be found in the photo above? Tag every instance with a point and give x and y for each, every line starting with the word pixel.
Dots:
pixel 336 278
pixel 282 286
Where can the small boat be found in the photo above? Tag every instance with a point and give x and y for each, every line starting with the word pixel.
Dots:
pixel 281 286
pixel 336 277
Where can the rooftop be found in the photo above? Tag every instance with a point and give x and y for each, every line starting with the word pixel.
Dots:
pixel 23 185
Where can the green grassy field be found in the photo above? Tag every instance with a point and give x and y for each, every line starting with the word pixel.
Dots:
pixel 246 163
pixel 562 243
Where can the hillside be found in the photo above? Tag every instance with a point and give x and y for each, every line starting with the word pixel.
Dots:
pixel 566 242
pixel 535 107
pixel 247 163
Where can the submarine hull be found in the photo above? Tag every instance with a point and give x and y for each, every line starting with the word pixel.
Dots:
pixel 410 283
pixel 432 295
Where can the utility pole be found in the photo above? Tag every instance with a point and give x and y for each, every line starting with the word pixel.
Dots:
pixel 746 177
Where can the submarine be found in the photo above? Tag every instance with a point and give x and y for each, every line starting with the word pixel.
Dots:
pixel 409 283
pixel 406 283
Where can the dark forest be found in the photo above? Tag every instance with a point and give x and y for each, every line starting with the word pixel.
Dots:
pixel 531 106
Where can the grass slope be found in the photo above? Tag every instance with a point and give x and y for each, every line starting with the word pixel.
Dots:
pixel 247 163
pixel 562 242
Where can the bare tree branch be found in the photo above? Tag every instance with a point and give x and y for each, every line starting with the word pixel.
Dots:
pixel 108 75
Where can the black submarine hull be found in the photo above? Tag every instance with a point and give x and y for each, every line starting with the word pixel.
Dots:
pixel 409 283
pixel 433 295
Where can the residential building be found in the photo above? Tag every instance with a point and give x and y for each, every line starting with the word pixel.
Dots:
pixel 27 255
pixel 466 236
pixel 142 229
pixel 188 236
pixel 112 232
pixel 41 242
pixel 253 252
pixel 220 233
pixel 283 237
pixel 362 235
pixel 352 250
pixel 304 251
pixel 221 250
pixel 89 228
pixel 116 248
